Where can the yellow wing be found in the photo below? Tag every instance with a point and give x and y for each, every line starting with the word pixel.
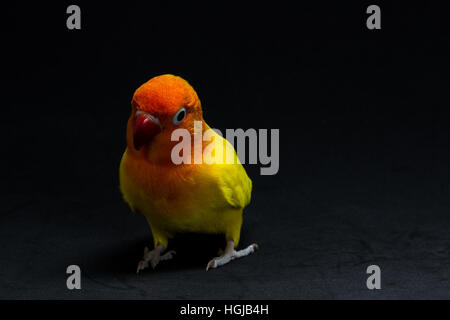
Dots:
pixel 233 181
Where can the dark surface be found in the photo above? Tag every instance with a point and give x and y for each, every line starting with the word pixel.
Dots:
pixel 364 161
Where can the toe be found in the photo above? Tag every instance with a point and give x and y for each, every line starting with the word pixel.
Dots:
pixel 211 264
pixel 168 255
pixel 141 266
pixel 154 261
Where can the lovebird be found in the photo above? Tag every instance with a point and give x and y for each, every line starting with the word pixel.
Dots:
pixel 188 197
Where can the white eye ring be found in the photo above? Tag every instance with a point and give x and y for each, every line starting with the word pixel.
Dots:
pixel 179 116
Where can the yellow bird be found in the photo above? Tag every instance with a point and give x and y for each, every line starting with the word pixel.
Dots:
pixel 203 197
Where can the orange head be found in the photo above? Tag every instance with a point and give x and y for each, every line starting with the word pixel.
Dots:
pixel 159 106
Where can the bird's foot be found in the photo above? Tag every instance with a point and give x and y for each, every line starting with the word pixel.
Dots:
pixel 231 254
pixel 153 257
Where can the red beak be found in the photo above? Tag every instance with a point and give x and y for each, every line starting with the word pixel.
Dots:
pixel 145 128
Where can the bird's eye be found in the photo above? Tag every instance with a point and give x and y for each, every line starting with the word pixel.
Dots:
pixel 179 116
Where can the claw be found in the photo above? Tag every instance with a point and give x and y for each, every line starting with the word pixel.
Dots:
pixel 211 264
pixel 141 266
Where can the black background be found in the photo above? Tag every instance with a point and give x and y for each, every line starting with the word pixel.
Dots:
pixel 363 179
